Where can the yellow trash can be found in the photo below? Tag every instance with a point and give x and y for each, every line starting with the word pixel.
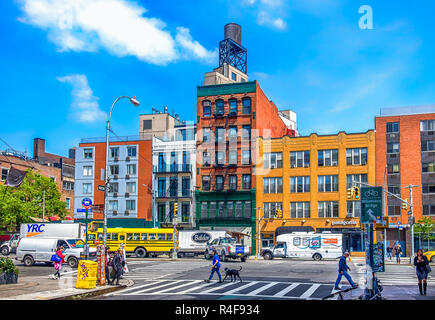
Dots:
pixel 86 275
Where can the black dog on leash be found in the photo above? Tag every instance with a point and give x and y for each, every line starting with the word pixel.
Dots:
pixel 233 273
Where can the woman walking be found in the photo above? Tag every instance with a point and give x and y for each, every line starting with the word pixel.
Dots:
pixel 421 265
pixel 398 253
pixel 58 264
pixel 117 267
pixel 215 267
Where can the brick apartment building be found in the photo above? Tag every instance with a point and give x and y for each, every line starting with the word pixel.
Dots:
pixel 405 154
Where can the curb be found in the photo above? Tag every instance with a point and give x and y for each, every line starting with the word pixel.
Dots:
pixel 94 293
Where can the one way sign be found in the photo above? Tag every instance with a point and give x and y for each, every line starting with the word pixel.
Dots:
pixel 101 188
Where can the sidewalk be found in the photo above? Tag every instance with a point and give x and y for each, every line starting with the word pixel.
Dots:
pixel 45 288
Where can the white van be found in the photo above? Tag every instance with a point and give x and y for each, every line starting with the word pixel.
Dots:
pixel 40 249
pixel 306 245
pixel 194 242
pixel 54 230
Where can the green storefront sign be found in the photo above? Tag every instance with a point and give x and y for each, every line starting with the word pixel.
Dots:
pixel 371 205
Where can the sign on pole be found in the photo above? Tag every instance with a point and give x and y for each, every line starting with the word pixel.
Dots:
pixel 86 203
pixel 101 188
pixel 371 205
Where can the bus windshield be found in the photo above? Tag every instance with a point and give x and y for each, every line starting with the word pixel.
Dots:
pixel 75 243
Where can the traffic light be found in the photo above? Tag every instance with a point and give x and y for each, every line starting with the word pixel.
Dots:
pixel 279 213
pixel 405 205
pixel 175 208
pixel 356 193
pixel 350 193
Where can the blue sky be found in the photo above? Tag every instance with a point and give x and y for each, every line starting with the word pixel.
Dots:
pixel 64 62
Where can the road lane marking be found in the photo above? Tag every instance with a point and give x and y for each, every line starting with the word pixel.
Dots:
pixel 149 289
pixel 219 287
pixel 286 290
pixel 241 288
pixel 181 285
pixel 310 291
pixel 267 286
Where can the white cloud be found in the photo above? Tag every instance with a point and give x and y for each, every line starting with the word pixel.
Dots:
pixel 265 18
pixel 84 106
pixel 268 12
pixel 118 26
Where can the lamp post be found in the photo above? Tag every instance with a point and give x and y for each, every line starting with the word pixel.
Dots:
pixel 136 103
pixel 259 234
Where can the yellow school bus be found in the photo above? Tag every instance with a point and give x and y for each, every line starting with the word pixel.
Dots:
pixel 143 242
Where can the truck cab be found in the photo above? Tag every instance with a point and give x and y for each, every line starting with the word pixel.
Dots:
pixel 277 251
pixel 226 248
pixel 10 245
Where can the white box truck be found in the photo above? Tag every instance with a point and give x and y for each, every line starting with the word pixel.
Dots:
pixel 63 230
pixel 194 242
pixel 305 245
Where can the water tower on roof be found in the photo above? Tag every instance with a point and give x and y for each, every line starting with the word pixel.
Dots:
pixel 230 49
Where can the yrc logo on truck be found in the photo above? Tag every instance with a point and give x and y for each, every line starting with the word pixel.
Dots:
pixel 201 237
pixel 34 229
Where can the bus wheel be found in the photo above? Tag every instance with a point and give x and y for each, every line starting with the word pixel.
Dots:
pixel 140 252
pixel 317 257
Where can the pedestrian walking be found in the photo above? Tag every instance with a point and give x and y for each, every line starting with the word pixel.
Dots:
pixel 124 260
pixel 117 267
pixel 389 251
pixel 398 253
pixel 342 271
pixel 215 267
pixel 58 264
pixel 422 267
pixel 108 264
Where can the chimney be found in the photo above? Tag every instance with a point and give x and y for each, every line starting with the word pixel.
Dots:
pixel 38 147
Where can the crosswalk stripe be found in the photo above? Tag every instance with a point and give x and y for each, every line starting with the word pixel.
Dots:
pixel 267 286
pixel 241 288
pixel 310 291
pixel 182 285
pixel 194 288
pixel 219 287
pixel 286 290
pixel 148 289
pixel 133 288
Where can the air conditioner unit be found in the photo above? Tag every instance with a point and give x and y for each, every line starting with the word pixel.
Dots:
pixel 115 212
pixel 127 176
pixel 127 212
pixel 115 194
pixel 431 133
pixel 115 176
pixel 127 159
pixel 127 194
pixel 116 159
pixel 392 135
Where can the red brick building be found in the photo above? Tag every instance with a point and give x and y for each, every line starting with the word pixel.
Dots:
pixel 405 155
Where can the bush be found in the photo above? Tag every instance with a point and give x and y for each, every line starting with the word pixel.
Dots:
pixel 7 266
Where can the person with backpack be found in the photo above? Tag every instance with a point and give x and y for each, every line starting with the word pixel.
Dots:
pixel 58 259
pixel 422 267
pixel 215 267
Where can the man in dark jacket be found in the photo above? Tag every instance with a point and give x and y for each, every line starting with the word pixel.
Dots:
pixel 117 267
pixel 342 271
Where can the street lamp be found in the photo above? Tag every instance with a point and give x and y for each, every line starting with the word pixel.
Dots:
pixel 106 190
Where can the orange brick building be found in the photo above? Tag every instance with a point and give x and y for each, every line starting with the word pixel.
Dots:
pixel 405 155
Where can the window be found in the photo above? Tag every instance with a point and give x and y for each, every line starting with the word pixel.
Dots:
pixel 428 188
pixel 427 125
pixel 247 209
pixel 239 212
pixel 161 184
pixel 246 181
pixel 143 236
pixel 113 187
pixel 356 156
pixel 233 76
pixel 221 209
pixel 393 168
pixel 87 188
pixel 185 186
pixel 206 109
pixel 67 185
pixel 272 160
pixel 220 158
pixel 299 159
pixel 114 237
pixel 212 209
pixel 130 205
pixel 394 189
pixel 233 106
pixel 300 184
pixel 161 236
pixel 246 133
pixel 328 209
pixel 429 209
pixel 246 156
pixel 220 134
pixel 174 161
pixel 169 237
pixel 220 107
pixel 173 186
pixel 161 212
pixel 354 209
pixel 131 151
pixel 299 210
pixel 272 185
pixel 152 236
pixel 394 210
pixel 246 102
pixel 296 241
pixel 205 183
pixel 232 134
pixel 230 209
pixel 206 135
pixel 186 160
pixel 136 237
pixel 87 171
pixel 232 157
pixel 113 205
pixel 131 169
pixel 114 152
pixel 87 153
pixel 204 209
pixel 327 183
pixel 428 145
pixel 147 124
pixel 131 187
pixel 233 182
pixel 327 158
pixel 270 209
pixel 162 162
pixel 350 178
pixel 219 183
pixel 392 127
pixel 428 167
pixel 114 169
pixel 67 203
pixel 206 159
pixel 4 174
pixel 393 147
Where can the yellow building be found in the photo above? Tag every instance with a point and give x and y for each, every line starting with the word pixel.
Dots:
pixel 307 178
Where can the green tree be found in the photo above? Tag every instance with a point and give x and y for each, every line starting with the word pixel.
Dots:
pixel 425 228
pixel 18 204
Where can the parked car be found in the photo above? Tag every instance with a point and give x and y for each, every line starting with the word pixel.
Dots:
pixel 430 255
pixel 10 245
pixel 40 249
pixel 226 248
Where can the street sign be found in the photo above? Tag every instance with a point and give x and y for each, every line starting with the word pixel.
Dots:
pixel 101 188
pixel 83 210
pixel 371 205
pixel 86 203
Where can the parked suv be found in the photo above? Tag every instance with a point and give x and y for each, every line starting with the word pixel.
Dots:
pixel 227 247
